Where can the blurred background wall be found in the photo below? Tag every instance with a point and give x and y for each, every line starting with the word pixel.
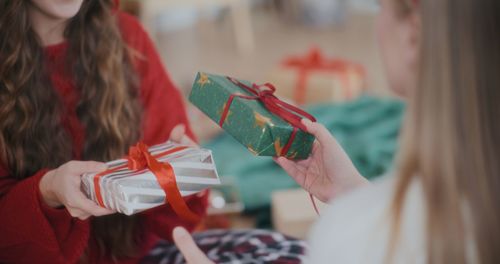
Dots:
pixel 249 38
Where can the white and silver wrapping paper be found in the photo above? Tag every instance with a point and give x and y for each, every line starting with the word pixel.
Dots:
pixel 130 192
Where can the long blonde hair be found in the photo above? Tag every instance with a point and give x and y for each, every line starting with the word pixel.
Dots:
pixel 451 139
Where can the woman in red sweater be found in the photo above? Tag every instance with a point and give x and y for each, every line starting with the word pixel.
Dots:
pixel 78 81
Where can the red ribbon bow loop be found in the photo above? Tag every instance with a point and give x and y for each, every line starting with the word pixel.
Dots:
pixel 140 158
pixel 265 94
pixel 137 157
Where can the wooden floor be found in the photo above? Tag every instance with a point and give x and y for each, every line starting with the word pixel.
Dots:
pixel 210 46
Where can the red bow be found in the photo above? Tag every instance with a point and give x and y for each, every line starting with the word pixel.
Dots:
pixel 315 61
pixel 139 158
pixel 265 94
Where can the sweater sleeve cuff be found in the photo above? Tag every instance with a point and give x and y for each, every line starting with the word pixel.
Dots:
pixel 36 221
pixel 69 233
pixel 53 215
pixel 22 203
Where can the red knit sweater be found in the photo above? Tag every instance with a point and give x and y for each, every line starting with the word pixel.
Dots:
pixel 32 232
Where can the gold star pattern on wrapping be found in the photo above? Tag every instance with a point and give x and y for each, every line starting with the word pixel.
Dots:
pixel 277 147
pixel 203 79
pixel 293 155
pixel 261 120
pixel 255 153
pixel 229 113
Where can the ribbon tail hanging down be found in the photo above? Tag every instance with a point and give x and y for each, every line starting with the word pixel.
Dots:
pixel 165 176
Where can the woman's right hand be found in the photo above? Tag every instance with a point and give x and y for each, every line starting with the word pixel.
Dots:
pixel 61 187
pixel 328 171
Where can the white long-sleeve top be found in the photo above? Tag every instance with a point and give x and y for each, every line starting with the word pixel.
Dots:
pixel 355 228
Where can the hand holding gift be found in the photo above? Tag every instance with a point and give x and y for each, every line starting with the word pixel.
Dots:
pixel 252 114
pixel 328 172
pixel 149 177
pixel 61 187
pixel 178 135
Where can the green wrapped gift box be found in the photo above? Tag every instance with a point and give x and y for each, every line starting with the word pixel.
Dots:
pixel 231 104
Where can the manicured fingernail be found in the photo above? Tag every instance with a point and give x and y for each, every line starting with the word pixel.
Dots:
pixel 180 232
pixel 306 121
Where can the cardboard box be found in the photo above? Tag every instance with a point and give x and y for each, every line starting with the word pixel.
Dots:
pixel 293 212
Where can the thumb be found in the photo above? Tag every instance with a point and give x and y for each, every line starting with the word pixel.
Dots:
pixel 81 167
pixel 186 245
pixel 177 133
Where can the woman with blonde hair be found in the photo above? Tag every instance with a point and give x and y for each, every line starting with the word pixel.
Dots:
pixel 442 202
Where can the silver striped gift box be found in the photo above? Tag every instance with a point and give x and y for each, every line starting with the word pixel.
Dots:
pixel 130 192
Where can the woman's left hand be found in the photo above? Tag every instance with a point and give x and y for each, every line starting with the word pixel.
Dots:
pixel 178 135
pixel 182 238
pixel 186 245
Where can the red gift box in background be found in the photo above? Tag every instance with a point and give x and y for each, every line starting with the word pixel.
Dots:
pixel 313 78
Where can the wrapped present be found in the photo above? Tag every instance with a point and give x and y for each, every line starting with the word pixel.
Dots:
pixel 316 79
pixel 252 114
pixel 147 178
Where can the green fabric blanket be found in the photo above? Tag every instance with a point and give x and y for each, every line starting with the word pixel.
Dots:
pixel 367 129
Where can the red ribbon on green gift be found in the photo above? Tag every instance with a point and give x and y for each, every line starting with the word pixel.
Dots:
pixel 140 158
pixel 316 61
pixel 265 94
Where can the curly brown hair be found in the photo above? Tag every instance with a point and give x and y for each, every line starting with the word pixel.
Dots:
pixel 32 136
